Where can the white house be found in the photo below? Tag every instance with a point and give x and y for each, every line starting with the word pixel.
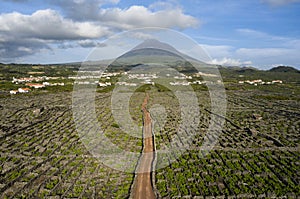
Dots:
pixel 102 84
pixel 13 92
pixel 23 90
pixel 35 85
pixel 276 81
pixel 46 83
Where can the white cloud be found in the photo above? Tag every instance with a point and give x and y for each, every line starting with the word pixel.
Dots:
pixel 229 62
pixel 90 43
pixel 159 14
pixel 23 35
pixel 259 34
pixel 25 49
pixel 82 10
pixel 279 2
pixel 48 25
pixel 218 39
pixel 218 51
pixel 164 5
pixel 11 48
pixel 262 57
pixel 264 52
pixel 140 16
pixel 42 28
pixel 268 56
pixel 251 32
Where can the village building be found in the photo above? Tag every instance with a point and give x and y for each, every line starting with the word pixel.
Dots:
pixel 27 79
pixel 23 90
pixel 46 83
pixel 104 84
pixel 13 92
pixel 35 85
pixel 260 82
pixel 57 84
pixel 277 81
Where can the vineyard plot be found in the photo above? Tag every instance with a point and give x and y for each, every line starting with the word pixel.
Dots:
pixel 257 154
pixel 43 156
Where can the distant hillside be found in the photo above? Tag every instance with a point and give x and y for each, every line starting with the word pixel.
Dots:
pixel 284 69
pixel 247 69
pixel 238 69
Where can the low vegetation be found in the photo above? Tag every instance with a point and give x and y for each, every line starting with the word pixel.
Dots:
pixel 257 155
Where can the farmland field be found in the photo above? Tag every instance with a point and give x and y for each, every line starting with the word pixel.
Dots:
pixel 257 155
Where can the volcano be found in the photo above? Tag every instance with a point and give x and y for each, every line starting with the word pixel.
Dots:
pixel 152 51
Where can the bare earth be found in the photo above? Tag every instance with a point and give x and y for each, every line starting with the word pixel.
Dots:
pixel 143 186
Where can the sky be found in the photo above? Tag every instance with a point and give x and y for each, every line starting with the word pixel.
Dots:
pixel 257 33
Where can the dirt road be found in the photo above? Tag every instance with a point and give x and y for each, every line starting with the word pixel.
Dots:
pixel 143 185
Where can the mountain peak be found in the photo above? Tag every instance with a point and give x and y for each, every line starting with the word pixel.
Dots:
pixel 283 69
pixel 154 43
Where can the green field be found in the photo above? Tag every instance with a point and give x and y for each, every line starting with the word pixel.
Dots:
pixel 257 154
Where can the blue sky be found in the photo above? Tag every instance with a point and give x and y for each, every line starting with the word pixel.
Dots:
pixel 259 33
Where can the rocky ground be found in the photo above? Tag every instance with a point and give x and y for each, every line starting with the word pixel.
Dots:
pixel 42 155
pixel 257 154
